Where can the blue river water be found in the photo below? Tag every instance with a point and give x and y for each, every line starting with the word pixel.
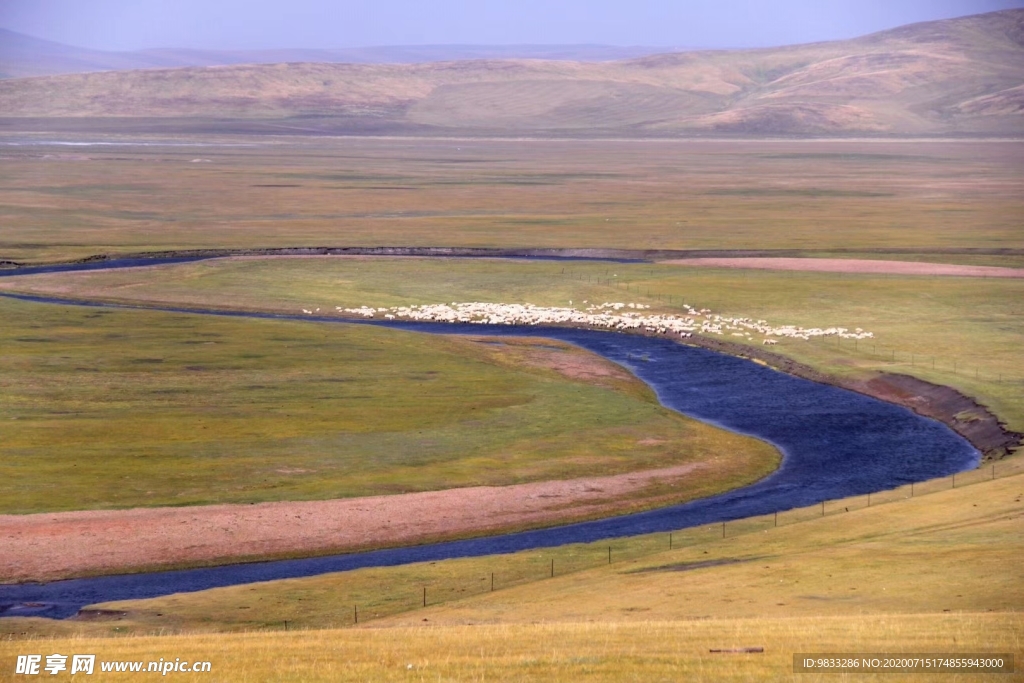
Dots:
pixel 137 262
pixel 99 264
pixel 835 443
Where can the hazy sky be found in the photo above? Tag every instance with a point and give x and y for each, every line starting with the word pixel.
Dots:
pixel 232 24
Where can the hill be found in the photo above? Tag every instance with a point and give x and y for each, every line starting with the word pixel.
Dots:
pixel 23 56
pixel 952 77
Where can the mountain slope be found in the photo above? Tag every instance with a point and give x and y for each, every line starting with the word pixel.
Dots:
pixel 958 76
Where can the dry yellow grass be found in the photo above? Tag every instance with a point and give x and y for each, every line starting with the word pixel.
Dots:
pixel 949 551
pixel 642 651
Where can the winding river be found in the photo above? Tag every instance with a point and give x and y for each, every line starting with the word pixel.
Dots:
pixel 835 443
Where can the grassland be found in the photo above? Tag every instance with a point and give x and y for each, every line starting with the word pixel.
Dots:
pixel 651 651
pixel 111 409
pixel 938 571
pixel 59 202
pixel 961 332
pixel 908 560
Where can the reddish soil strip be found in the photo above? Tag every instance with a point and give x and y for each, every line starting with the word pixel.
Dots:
pixel 833 265
pixel 57 545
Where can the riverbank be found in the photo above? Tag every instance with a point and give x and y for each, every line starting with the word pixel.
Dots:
pixel 968 418
pixel 50 546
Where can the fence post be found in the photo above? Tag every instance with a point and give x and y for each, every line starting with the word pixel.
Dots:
pixel 670 540
pixel 609 554
pixel 492 582
pixel 552 567
pixel 424 596
pixel 822 508
pixel 723 529
pixel 355 613
pixel 776 518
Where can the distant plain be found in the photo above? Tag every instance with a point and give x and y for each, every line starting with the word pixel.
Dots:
pixel 109 194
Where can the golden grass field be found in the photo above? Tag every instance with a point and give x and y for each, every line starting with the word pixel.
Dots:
pixel 612 652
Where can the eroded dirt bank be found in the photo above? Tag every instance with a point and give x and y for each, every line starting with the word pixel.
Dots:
pixel 964 415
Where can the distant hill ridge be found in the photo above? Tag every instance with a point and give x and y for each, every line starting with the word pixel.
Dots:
pixel 960 76
pixel 23 56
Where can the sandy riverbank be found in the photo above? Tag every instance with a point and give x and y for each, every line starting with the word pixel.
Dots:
pixel 866 266
pixel 49 546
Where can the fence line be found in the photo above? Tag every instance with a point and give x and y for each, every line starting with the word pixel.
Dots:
pixel 536 565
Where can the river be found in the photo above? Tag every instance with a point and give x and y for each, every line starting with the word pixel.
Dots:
pixel 835 443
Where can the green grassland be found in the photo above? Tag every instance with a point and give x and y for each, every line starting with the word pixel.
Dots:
pixel 113 408
pixel 58 202
pixel 957 331
pixel 938 571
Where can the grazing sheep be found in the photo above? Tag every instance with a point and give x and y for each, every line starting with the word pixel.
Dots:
pixel 609 316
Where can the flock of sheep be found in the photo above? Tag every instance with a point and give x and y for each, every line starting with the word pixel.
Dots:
pixel 613 316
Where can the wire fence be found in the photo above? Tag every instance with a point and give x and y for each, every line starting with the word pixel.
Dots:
pixel 454 580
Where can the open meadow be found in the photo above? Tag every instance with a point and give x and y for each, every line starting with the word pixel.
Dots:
pixel 962 332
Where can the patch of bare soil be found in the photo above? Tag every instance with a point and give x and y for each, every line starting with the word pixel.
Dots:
pixel 834 265
pixel 58 545
pixel 971 420
pixel 559 357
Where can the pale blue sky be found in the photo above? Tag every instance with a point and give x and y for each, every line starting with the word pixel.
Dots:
pixel 256 24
